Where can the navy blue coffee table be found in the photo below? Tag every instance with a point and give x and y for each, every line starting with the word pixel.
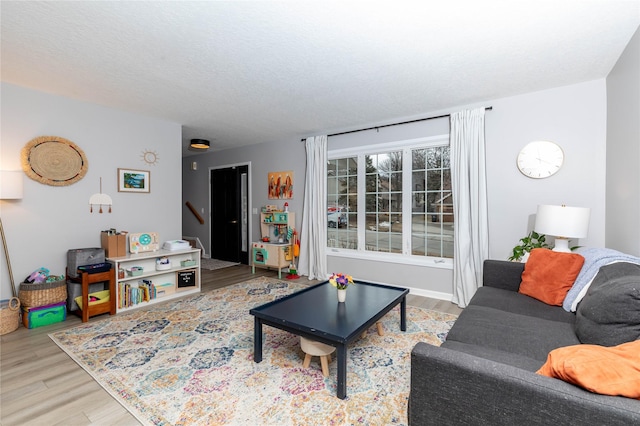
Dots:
pixel 315 313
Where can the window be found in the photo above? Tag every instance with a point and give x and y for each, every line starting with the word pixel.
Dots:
pixel 394 199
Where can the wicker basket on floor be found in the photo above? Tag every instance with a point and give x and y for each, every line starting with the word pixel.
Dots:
pixel 42 294
pixel 9 316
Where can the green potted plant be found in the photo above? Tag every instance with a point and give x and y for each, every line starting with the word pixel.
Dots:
pixel 528 243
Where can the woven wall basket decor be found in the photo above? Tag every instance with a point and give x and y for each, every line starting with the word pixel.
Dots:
pixel 53 160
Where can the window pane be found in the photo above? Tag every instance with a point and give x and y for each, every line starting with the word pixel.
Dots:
pixel 332 185
pixel 418 159
pixel 432 159
pixel 396 181
pixel 371 182
pixel 384 203
pixel 429 234
pixel 418 180
pixel 372 163
pixel 383 182
pixel 418 204
pixel 371 221
pixel 372 202
pixel 446 162
pixel 396 202
pixel 394 161
pixel 434 179
pixel 341 190
pixel 352 204
pixel 431 203
pixel 352 165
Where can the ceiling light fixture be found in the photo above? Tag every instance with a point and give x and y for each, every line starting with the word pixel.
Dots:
pixel 199 144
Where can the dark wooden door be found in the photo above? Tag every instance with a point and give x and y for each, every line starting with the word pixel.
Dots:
pixel 228 214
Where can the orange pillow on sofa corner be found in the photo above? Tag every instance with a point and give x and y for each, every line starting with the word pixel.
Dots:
pixel 604 370
pixel 548 275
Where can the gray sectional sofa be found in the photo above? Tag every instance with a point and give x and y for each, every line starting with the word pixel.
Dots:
pixel 485 372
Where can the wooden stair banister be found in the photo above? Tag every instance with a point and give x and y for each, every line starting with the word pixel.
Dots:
pixel 195 213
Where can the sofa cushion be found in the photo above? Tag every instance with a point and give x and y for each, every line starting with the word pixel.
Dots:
pixel 512 301
pixel 594 259
pixel 548 275
pixel 511 332
pixel 609 314
pixel 604 370
pixel 519 361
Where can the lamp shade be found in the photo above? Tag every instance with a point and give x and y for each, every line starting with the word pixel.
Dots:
pixel 563 221
pixel 200 143
pixel 10 185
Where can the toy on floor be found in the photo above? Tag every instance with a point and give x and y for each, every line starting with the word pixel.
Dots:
pixel 293 272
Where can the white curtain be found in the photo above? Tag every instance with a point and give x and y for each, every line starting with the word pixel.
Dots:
pixel 468 179
pixel 313 237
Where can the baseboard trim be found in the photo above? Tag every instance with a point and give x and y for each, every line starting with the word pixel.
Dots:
pixel 432 294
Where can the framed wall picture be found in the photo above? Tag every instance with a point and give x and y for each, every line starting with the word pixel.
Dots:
pixel 280 185
pixel 134 180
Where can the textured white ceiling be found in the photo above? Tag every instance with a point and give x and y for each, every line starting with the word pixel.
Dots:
pixel 241 73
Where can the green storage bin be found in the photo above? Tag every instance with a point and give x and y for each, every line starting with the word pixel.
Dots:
pixel 33 317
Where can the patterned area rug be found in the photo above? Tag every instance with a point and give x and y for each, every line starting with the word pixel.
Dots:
pixel 190 362
pixel 212 264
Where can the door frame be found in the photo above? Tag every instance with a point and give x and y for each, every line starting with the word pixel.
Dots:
pixel 249 204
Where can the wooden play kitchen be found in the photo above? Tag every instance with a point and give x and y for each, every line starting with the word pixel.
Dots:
pixel 275 250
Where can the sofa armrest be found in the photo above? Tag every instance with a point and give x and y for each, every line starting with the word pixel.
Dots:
pixel 502 274
pixel 451 387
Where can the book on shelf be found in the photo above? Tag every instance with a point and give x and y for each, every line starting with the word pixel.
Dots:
pixel 130 295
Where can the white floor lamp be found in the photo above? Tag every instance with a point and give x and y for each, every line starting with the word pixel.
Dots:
pixel 10 189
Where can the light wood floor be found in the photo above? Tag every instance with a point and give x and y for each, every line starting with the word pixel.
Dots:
pixel 41 385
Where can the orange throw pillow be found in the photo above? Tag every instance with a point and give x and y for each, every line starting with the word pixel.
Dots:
pixel 548 275
pixel 605 370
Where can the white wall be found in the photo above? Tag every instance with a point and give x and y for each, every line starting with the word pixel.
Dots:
pixel 50 220
pixel 572 116
pixel 575 118
pixel 623 151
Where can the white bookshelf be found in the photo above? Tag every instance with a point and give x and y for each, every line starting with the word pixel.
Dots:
pixel 165 281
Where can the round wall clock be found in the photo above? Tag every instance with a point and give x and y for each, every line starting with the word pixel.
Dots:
pixel 53 160
pixel 540 159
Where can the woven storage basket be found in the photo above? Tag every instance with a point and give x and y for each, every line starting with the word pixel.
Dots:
pixel 10 316
pixel 41 294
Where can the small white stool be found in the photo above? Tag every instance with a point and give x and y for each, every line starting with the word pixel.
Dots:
pixel 313 348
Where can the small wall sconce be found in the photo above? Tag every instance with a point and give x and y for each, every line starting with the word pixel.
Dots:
pixel 194 165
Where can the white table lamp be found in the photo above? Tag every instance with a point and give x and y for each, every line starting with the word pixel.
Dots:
pixel 563 222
